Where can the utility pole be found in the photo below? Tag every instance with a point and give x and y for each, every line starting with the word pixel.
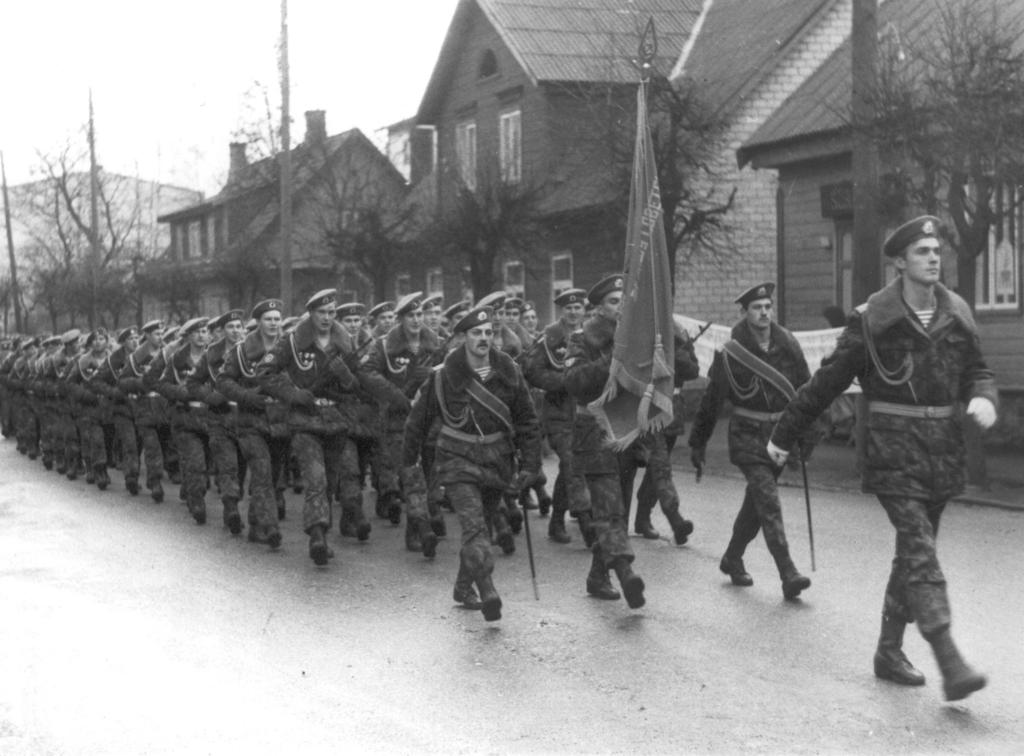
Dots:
pixel 867 244
pixel 94 219
pixel 286 168
pixel 15 293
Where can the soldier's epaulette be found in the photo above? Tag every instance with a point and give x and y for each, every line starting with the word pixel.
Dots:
pixel 861 308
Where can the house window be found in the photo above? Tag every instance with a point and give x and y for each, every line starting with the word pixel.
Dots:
pixel 515 278
pixel 998 267
pixel 510 156
pixel 843 247
pixel 465 152
pixel 178 241
pixel 435 281
pixel 211 234
pixel 561 273
pixel 403 284
pixel 194 242
pixel 488 64
pixel 466 284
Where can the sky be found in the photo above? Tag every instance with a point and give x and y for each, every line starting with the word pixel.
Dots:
pixel 172 82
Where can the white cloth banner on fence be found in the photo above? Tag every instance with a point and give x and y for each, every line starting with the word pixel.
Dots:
pixel 817 345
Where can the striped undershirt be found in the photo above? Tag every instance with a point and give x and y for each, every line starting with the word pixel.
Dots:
pixel 483 373
pixel 925 316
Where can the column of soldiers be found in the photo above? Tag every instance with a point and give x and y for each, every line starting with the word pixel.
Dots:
pixel 420 409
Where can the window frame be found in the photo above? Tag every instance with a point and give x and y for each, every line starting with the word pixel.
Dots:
pixel 466 152
pixel 557 286
pixel 510 145
pixel 517 289
pixel 1005 243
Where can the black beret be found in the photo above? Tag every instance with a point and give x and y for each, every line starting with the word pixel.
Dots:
pixel 761 291
pixel 126 333
pixel 322 298
pixel 262 308
pixel 170 333
pixel 455 309
pixel 93 335
pixel 434 300
pixel 70 337
pixel 380 309
pixel 32 341
pixel 222 320
pixel 409 303
pixel 152 326
pixel 514 303
pixel 49 341
pixel 604 287
pixel 495 300
pixel 478 316
pixel 351 308
pixel 924 227
pixel 571 296
pixel 193 325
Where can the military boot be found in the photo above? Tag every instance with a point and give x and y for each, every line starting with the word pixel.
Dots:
pixel 90 474
pixel 737 572
pixel 503 533
pixel 438 525
pixel 428 538
pixel 413 540
pixel 102 478
pixel 642 524
pixel 156 490
pixel 232 519
pixel 362 525
pixel 890 661
pixel 958 679
pixel 48 461
pixel 793 582
pixel 599 585
pixel 556 527
pixel 346 524
pixel 544 503
pixel 197 508
pixel 632 584
pixel 394 507
pixel 526 499
pixel 279 498
pixel 464 593
pixel 132 485
pixel 681 527
pixel 515 516
pixel 490 601
pixel 318 550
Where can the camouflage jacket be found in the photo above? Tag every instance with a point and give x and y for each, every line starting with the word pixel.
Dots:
pixel 922 457
pixel 487 459
pixel 587 362
pixel 544 367
pixel 392 368
pixel 730 381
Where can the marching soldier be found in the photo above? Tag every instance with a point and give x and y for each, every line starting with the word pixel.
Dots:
pixel 381 319
pixel 915 349
pixel 260 424
pixel 188 413
pixel 309 370
pixel 66 410
pixel 432 307
pixel 44 401
pixel 202 388
pixel 586 374
pixel 451 315
pixel 148 414
pixel 82 379
pixel 397 366
pixel 483 404
pixel 544 367
pixel 120 410
pixel 757 372
pixel 26 421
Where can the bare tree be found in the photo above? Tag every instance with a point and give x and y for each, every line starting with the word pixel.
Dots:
pixel 950 103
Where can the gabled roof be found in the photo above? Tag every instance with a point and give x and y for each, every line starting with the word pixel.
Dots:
pixel 820 108
pixel 739 42
pixel 569 40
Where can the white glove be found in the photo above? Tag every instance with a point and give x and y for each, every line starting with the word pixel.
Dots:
pixel 983 412
pixel 777 455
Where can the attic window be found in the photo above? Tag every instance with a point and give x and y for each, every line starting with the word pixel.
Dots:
pixel 488 64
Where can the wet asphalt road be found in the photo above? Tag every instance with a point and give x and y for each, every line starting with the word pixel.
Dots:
pixel 127 629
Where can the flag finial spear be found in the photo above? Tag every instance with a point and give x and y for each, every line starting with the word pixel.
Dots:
pixel 647 50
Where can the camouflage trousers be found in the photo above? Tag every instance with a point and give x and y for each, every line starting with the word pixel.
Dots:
pixel 93 442
pixel 609 518
pixel 570 491
pixel 27 427
pixel 158 451
pixel 657 484
pixel 317 457
pixel 346 482
pixel 262 466
pixel 192 450
pixel 917 587
pixel 474 506
pixel 128 439
pixel 761 511
pixel 389 463
pixel 228 464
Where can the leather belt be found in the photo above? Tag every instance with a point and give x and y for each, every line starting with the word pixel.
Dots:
pixel 761 417
pixel 457 435
pixel 910 410
pixel 321 402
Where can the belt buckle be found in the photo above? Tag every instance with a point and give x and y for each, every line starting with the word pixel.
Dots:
pixel 930 412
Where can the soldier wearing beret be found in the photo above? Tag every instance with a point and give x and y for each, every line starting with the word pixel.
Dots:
pixel 258 421
pixel 453 313
pixel 310 370
pixel 41 399
pixel 756 372
pixel 544 367
pixel 483 405
pixel 381 319
pixel 201 384
pixel 587 364
pixel 915 350
pixel 432 306
pixel 397 366
pixel 24 417
pixel 120 410
pixel 66 410
pixel 84 393
pixel 188 414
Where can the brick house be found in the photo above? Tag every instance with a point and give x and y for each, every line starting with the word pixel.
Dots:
pixel 224 251
pixel 806 145
pixel 534 84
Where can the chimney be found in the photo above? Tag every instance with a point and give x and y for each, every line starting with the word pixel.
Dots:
pixel 316 127
pixel 237 162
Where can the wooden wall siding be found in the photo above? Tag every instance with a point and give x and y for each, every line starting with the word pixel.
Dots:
pixel 1003 345
pixel 810 281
